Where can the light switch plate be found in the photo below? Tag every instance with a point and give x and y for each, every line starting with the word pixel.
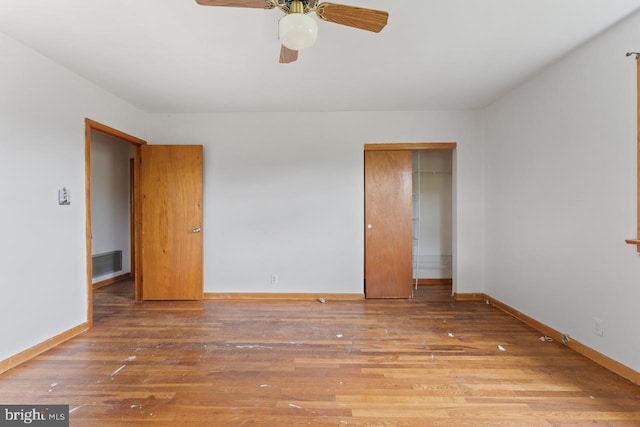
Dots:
pixel 64 198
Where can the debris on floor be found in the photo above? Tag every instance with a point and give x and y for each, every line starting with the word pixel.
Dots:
pixel 501 348
pixel 322 300
pixel 252 346
pixel 545 338
pixel 71 411
pixel 117 370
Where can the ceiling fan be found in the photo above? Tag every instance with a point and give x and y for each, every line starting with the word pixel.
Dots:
pixel 296 30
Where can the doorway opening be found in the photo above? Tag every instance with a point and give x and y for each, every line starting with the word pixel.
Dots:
pixel 432 198
pixel 111 207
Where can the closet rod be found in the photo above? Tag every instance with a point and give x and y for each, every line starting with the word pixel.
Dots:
pixel 435 172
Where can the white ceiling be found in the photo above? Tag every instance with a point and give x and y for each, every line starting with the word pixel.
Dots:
pixel 175 56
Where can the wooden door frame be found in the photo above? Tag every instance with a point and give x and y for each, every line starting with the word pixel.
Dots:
pixel 411 146
pixel 90 126
pixel 636 240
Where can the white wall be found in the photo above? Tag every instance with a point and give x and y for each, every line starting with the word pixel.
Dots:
pixel 43 245
pixel 284 194
pixel 561 196
pixel 110 199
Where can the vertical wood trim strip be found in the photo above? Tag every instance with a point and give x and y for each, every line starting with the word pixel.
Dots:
pixel 89 247
pixel 137 232
pixel 638 147
pixel 132 217
pixel 636 241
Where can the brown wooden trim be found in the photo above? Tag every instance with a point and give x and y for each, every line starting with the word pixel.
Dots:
pixel 469 296
pixel 432 282
pixel 638 149
pixel 403 146
pixel 588 352
pixel 107 282
pixel 92 125
pixel 89 234
pixel 524 318
pixel 607 362
pixel 637 240
pixel 282 296
pixel 32 352
pixel 132 217
pixel 137 227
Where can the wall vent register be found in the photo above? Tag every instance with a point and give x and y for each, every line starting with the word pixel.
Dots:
pixel 107 262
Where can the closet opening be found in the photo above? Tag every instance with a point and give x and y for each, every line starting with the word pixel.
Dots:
pixel 432 217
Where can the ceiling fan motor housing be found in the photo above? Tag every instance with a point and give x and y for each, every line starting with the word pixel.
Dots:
pixel 296 6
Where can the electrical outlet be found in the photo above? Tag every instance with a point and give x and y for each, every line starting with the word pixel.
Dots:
pixel 597 326
pixel 274 279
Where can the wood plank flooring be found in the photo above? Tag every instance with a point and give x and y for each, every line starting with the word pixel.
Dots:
pixel 429 361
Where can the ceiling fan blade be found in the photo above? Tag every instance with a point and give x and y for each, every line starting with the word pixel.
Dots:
pixel 259 4
pixel 351 16
pixel 287 55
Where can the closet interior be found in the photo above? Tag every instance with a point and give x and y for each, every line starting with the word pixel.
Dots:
pixel 432 216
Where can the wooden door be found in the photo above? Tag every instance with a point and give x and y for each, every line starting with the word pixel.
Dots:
pixel 388 224
pixel 171 220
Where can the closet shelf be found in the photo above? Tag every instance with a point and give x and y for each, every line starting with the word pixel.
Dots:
pixel 434 172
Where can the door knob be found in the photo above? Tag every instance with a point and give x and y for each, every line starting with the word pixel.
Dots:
pixel 196 230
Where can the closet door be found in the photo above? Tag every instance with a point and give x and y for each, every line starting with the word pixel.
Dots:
pixel 388 225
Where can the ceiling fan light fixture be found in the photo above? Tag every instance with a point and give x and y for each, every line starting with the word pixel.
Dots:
pixel 297 31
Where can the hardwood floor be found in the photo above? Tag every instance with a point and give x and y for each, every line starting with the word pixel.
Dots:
pixel 424 362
